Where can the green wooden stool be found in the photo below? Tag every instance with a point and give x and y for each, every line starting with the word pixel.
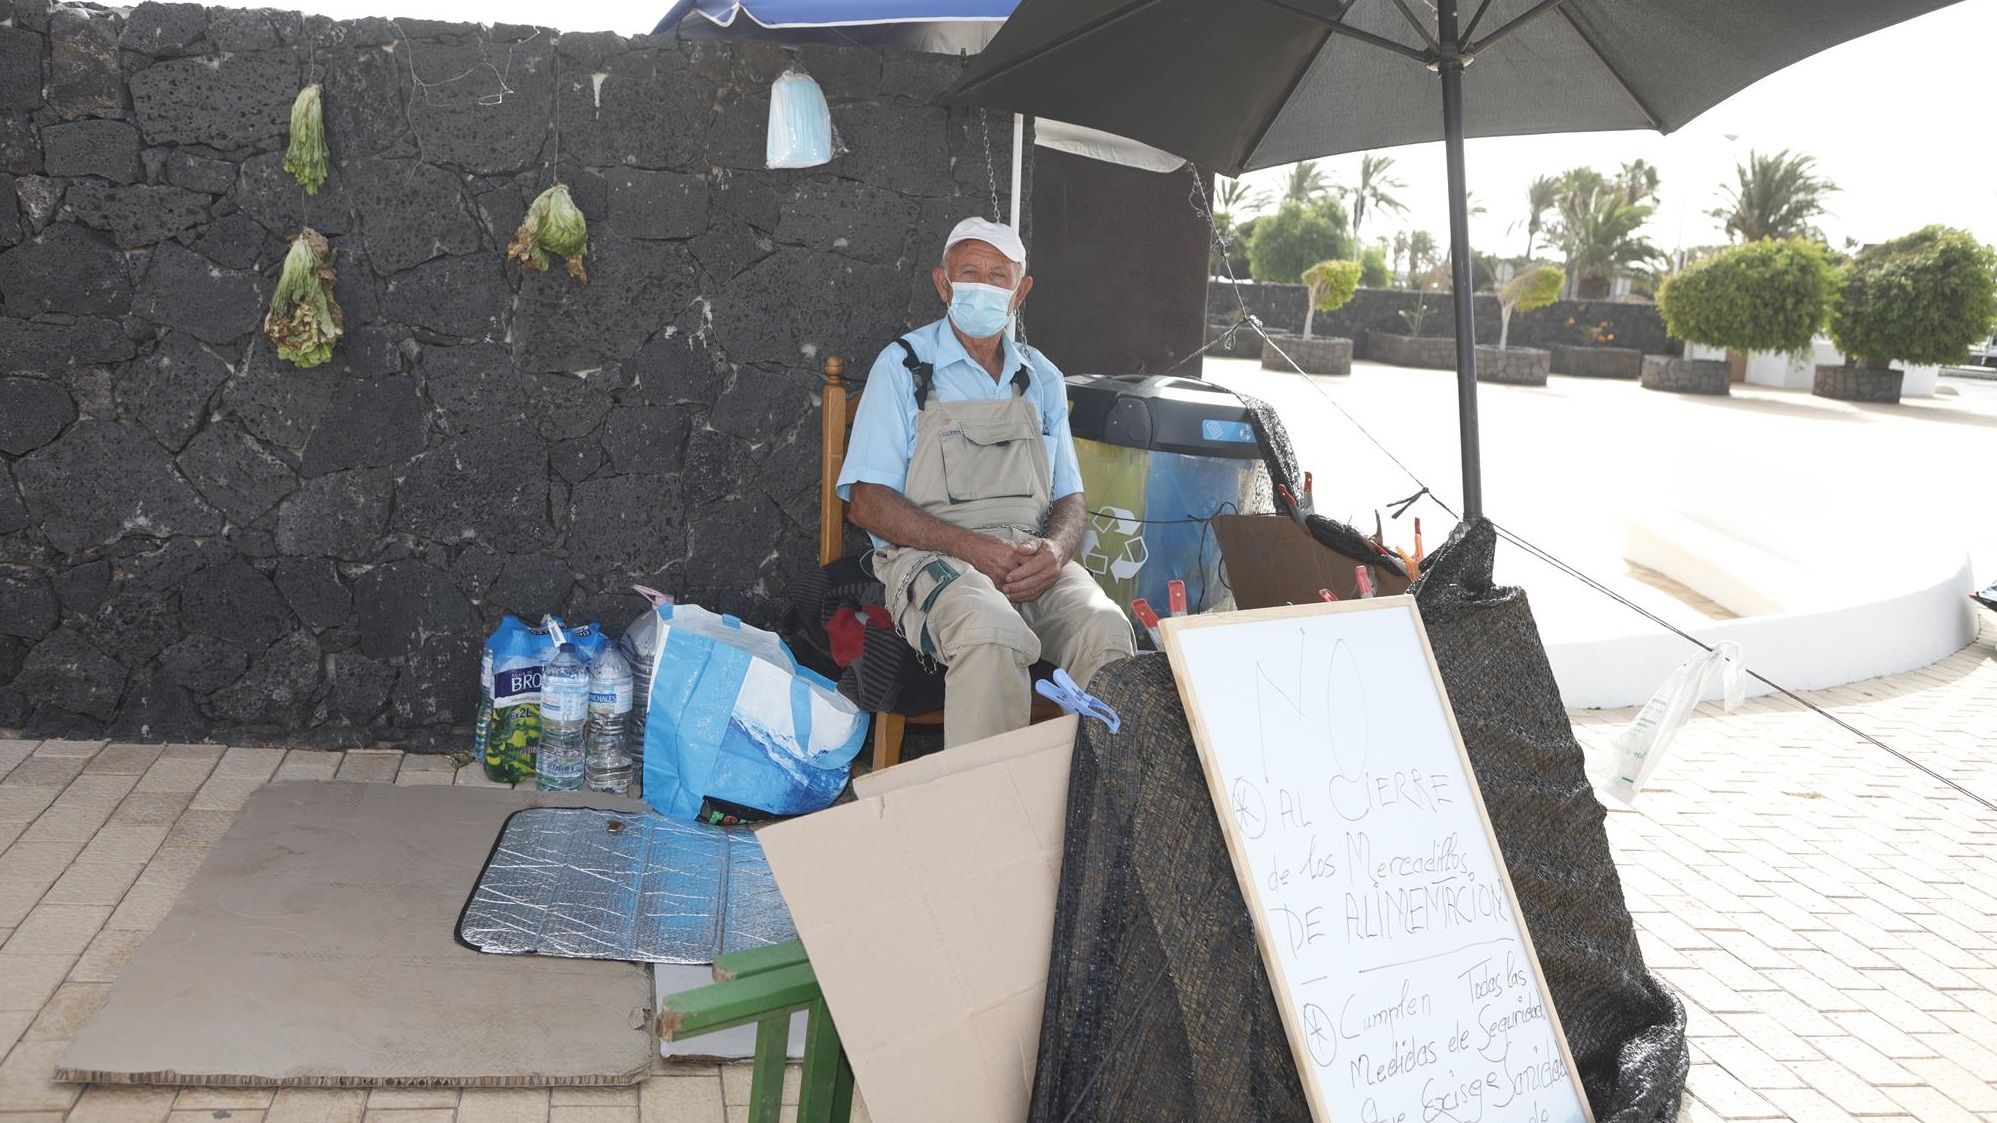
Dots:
pixel 766 986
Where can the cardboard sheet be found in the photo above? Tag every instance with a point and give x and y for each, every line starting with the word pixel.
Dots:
pixel 927 906
pixel 314 947
pixel 1271 562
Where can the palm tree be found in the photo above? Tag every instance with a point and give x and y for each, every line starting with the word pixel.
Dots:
pixel 1236 196
pixel 1603 241
pixel 1400 250
pixel 1306 183
pixel 1472 208
pixel 1374 183
pixel 1541 197
pixel 1421 253
pixel 1638 181
pixel 1776 196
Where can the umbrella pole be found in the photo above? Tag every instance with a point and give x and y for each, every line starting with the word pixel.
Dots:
pixel 1451 71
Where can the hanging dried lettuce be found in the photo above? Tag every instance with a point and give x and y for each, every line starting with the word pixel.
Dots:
pixel 553 225
pixel 306 158
pixel 304 319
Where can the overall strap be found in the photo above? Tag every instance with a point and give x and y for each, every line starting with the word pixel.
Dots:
pixel 923 373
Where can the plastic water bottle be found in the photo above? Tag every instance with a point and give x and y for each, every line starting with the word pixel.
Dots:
pixel 564 709
pixel 606 763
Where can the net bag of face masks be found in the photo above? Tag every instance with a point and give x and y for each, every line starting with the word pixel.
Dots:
pixel 801 133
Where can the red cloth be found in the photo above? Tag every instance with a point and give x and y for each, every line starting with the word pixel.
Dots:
pixel 847 630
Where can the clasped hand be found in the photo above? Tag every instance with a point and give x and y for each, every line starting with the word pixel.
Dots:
pixel 1022 571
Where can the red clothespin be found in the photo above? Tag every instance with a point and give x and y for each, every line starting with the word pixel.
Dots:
pixel 1148 617
pixel 1175 596
pixel 1326 595
pixel 1362 580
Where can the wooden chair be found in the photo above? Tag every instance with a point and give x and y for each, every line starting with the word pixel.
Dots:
pixel 837 420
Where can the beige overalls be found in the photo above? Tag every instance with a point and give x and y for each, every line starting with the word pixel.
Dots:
pixel 982 465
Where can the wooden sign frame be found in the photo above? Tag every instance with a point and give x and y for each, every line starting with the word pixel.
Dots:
pixel 1171 631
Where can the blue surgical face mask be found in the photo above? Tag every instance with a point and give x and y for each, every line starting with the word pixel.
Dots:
pixel 978 310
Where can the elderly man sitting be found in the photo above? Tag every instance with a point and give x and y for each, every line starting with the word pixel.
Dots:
pixel 962 469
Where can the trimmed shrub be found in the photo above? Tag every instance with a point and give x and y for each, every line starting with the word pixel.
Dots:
pixel 1331 284
pixel 1373 271
pixel 1531 288
pixel 1293 239
pixel 1922 298
pixel 1763 296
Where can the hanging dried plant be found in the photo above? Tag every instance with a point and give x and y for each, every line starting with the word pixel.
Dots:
pixel 304 319
pixel 553 225
pixel 306 158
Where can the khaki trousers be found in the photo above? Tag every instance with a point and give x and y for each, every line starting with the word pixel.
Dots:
pixel 986 643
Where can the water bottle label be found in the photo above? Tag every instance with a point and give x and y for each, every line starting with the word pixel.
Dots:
pixel 616 699
pixel 561 705
pixel 516 685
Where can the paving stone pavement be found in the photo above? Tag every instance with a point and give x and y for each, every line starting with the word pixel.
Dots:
pixel 1827 910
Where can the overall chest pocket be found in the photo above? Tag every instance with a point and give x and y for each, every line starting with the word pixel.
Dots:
pixel 1001 459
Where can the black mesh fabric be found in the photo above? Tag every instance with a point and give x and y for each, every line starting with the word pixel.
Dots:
pixel 1281 458
pixel 888 677
pixel 1158 1008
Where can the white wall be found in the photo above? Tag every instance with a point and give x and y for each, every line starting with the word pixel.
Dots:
pixel 1787 372
pixel 1823 602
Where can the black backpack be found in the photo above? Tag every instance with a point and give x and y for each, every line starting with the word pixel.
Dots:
pixel 888 677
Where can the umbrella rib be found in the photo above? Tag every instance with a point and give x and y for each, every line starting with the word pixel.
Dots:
pixel 1476 19
pixel 1296 80
pixel 1082 32
pixel 1613 72
pixel 1516 22
pixel 1338 27
pixel 1420 28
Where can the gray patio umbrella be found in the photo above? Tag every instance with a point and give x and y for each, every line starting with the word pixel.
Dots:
pixel 1244 84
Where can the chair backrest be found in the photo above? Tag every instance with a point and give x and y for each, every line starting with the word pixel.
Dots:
pixel 837 421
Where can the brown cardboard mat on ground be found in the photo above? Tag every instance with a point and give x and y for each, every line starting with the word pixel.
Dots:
pixel 314 947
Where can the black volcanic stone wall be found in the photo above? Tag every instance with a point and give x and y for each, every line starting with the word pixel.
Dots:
pixel 197 539
pixel 1574 323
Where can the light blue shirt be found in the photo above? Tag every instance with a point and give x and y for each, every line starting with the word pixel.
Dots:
pixel 883 439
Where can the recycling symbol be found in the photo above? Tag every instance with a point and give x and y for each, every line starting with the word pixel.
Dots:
pixel 1114 546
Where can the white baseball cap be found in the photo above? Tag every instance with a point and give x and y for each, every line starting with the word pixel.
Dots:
pixel 1000 236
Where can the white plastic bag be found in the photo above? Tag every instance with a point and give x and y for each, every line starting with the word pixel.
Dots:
pixel 800 133
pixel 1627 766
pixel 636 646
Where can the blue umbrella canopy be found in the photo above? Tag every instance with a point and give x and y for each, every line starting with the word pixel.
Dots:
pixel 941 26
pixel 836 13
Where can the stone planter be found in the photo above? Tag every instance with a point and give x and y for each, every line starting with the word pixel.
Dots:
pixel 1513 366
pixel 1436 352
pixel 1859 384
pixel 1685 376
pixel 1322 354
pixel 1598 362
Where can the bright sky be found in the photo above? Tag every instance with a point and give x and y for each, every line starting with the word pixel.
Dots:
pixel 1895 119
pixel 1900 120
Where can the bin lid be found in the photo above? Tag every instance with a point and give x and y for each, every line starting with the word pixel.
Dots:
pixel 1157 411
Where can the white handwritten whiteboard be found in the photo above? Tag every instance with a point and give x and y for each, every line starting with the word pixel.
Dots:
pixel 1406 979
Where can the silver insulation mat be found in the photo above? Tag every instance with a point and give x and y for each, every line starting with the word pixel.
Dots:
pixel 588 884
